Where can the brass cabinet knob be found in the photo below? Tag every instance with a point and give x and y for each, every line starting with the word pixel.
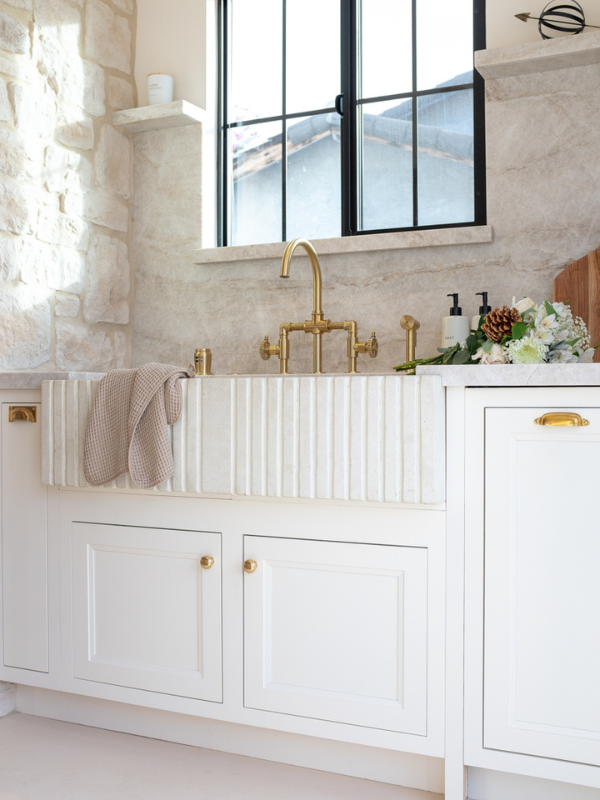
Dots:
pixel 562 419
pixel 22 413
pixel 250 565
pixel 206 562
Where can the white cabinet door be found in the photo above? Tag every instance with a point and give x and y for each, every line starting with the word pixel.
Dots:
pixel 145 613
pixel 24 547
pixel 337 631
pixel 542 590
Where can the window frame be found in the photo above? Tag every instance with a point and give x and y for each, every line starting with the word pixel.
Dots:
pixel 350 172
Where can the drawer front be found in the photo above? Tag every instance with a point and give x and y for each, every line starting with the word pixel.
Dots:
pixel 146 614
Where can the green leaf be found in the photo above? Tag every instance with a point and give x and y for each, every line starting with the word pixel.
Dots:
pixel 550 309
pixel 573 341
pixel 518 330
pixel 487 345
pixel 472 344
pixel 462 357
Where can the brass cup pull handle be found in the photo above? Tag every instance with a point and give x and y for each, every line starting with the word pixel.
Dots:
pixel 562 419
pixel 206 562
pixel 22 413
pixel 250 565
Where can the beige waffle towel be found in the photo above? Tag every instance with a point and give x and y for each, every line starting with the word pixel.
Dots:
pixel 127 429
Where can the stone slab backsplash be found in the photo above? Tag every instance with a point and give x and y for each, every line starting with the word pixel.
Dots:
pixel 65 184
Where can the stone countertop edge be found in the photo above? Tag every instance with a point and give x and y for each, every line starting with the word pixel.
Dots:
pixel 33 380
pixel 516 374
pixel 158 116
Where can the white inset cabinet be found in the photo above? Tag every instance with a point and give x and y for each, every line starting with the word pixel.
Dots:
pixel 25 607
pixel 532 588
pixel 542 591
pixel 146 614
pixel 337 631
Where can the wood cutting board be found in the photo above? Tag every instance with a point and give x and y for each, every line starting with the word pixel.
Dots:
pixel 579 284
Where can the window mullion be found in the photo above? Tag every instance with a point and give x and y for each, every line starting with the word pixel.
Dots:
pixel 284 160
pixel 348 123
pixel 415 119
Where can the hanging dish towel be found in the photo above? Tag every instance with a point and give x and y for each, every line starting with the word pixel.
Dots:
pixel 128 426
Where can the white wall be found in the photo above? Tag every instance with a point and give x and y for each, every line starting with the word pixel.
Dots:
pixel 171 38
pixel 504 29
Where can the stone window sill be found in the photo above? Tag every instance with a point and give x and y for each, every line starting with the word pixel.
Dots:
pixel 439 237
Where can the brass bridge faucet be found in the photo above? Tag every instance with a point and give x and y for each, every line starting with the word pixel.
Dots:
pixel 316 325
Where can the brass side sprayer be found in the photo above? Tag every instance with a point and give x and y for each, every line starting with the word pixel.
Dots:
pixel 411 326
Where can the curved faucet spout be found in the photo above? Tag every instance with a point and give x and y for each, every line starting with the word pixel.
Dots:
pixel 316 268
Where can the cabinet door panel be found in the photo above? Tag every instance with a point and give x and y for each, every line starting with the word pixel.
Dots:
pixel 338 632
pixel 542 593
pixel 145 614
pixel 24 547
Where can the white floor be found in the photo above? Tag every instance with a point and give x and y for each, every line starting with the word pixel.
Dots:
pixel 42 759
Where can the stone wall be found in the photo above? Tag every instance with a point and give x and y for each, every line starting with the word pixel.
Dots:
pixel 543 148
pixel 65 183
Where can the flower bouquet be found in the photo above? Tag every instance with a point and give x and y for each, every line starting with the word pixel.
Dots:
pixel 525 333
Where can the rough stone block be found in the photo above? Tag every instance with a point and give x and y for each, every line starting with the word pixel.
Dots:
pixel 76 133
pixel 81 349
pixel 107 282
pixel 60 19
pixel 9 268
pixel 112 161
pixel 66 305
pixel 25 319
pixel 107 36
pixel 35 110
pixel 64 169
pixel 4 104
pixel 19 157
pixel 120 93
pixel 93 89
pixel 59 268
pixel 16 69
pixel 14 210
pixel 57 228
pixel 26 4
pixel 8 698
pixel 109 212
pixel 14 37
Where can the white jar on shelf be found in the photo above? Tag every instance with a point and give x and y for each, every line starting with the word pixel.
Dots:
pixel 160 88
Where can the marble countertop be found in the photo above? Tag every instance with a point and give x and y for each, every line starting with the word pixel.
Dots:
pixel 33 380
pixel 516 374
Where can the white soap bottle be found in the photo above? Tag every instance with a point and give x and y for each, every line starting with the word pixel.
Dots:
pixel 455 328
pixel 483 310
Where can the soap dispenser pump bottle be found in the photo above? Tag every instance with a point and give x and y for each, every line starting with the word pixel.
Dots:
pixel 483 309
pixel 455 328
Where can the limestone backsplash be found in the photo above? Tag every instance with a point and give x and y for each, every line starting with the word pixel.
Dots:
pixel 543 157
pixel 65 183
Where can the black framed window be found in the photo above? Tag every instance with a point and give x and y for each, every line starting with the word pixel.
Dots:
pixel 348 117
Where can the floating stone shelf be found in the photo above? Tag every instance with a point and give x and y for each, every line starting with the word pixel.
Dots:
pixel 544 56
pixel 161 115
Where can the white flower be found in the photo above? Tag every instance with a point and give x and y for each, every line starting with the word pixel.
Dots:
pixel 587 356
pixel 527 351
pixel 545 327
pixel 523 305
pixel 497 355
pixel 561 356
pixel 561 309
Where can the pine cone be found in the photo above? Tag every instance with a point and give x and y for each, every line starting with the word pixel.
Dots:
pixel 498 323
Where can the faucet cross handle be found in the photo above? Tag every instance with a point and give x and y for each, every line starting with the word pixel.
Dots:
pixel 371 346
pixel 267 349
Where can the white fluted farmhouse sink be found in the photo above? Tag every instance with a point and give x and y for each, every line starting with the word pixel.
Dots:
pixel 376 438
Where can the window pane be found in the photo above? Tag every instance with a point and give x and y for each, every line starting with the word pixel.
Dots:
pixel 256 52
pixel 313 54
pixel 446 188
pixel 387 165
pixel 386 33
pixel 444 42
pixel 256 176
pixel 314 180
